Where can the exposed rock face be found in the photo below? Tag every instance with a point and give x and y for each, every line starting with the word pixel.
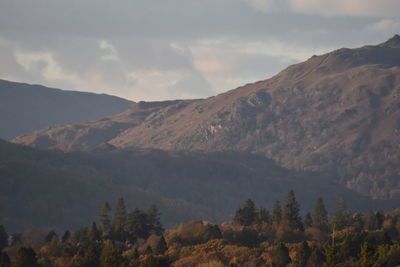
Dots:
pixel 336 113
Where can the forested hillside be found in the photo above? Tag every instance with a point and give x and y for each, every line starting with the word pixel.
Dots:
pixel 59 190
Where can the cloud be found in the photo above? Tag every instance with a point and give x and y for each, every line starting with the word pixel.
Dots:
pixel 268 6
pixel 152 50
pixel 368 8
pixel 357 8
pixel 385 26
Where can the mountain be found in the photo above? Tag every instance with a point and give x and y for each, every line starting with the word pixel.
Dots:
pixel 25 108
pixel 53 189
pixel 337 114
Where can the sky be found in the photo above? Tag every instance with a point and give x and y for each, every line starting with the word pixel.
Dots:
pixel 177 49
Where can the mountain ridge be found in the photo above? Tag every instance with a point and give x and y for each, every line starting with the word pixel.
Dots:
pixel 337 113
pixel 26 107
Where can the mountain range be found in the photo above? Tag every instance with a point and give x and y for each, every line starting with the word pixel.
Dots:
pixel 25 108
pixel 336 114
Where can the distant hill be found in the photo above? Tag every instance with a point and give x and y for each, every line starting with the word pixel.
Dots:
pixel 337 113
pixel 53 189
pixel 25 108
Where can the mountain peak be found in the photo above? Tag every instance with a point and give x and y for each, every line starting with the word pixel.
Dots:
pixel 393 42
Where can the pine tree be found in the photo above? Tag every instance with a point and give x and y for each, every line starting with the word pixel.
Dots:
pixel 119 220
pixel 3 237
pixel 111 255
pixel 50 235
pixel 280 256
pixel 307 221
pixel 291 212
pixel 263 216
pixel 366 255
pixel 105 224
pixel 25 257
pixel 277 212
pixel 246 215
pixel 94 233
pixel 316 258
pixel 341 216
pixel 153 219
pixel 161 246
pixel 320 215
pixel 303 254
pixel 66 236
pixel 4 259
pixel 137 225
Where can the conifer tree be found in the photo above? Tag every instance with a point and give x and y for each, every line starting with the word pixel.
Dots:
pixel 341 216
pixel 105 224
pixel 25 257
pixel 161 246
pixel 280 256
pixel 319 215
pixel 4 259
pixel 246 215
pixel 366 255
pixel 291 212
pixel 50 235
pixel 277 212
pixel 303 254
pixel 153 219
pixel 111 255
pixel 3 237
pixel 137 225
pixel 307 221
pixel 119 219
pixel 263 216
pixel 66 236
pixel 316 258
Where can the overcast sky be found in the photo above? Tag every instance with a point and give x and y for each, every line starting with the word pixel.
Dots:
pixel 169 49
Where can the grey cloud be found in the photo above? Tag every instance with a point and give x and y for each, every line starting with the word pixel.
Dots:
pixel 154 43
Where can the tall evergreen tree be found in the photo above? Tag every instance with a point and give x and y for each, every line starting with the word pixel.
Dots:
pixel 4 259
pixel 319 215
pixel 303 254
pixel 153 219
pixel 3 237
pixel 50 235
pixel 104 219
pixel 119 219
pixel 25 257
pixel 263 216
pixel 161 246
pixel 280 256
pixel 137 225
pixel 291 212
pixel 66 236
pixel 307 221
pixel 341 216
pixel 246 215
pixel 316 258
pixel 277 212
pixel 111 255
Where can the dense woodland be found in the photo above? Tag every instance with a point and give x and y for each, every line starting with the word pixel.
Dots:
pixel 184 186
pixel 255 237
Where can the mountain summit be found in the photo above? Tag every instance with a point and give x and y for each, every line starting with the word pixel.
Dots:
pixel 337 113
pixel 393 42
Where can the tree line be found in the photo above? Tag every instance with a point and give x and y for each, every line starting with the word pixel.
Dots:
pixel 255 237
